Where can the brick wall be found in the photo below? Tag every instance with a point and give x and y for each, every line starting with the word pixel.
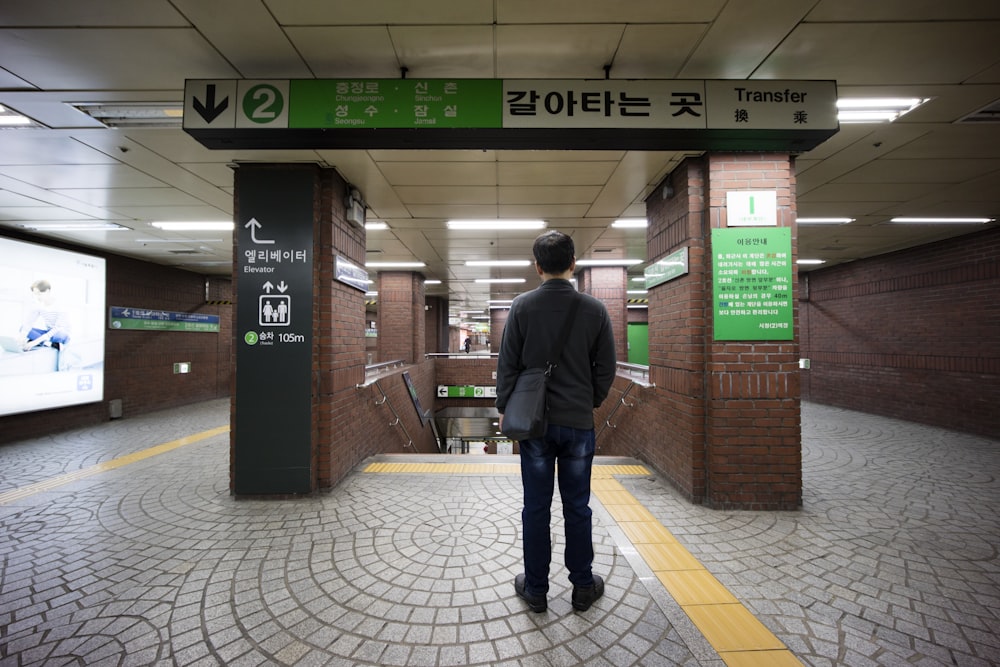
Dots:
pixel 608 284
pixel 671 436
pixel 474 370
pixel 913 335
pixel 401 316
pixel 139 364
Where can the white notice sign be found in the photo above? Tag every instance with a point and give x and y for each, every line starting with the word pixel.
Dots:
pixel 752 208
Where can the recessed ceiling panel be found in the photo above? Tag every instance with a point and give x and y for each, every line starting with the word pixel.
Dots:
pixel 437 52
pixel 656 51
pixel 447 195
pixel 920 171
pixel 555 51
pixel 873 53
pixel 114 197
pixel 81 176
pixel 349 53
pixel 555 173
pixel 548 195
pixel 598 11
pixel 383 12
pixel 103 59
pixel 29 147
pixel 439 173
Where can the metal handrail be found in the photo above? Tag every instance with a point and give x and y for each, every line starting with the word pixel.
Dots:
pixel 375 370
pixel 460 355
pixel 398 422
pixel 621 401
pixel 636 371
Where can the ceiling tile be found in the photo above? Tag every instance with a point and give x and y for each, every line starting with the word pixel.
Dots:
pixel 445 51
pixel 108 59
pixel 341 52
pixel 904 52
pixel 555 51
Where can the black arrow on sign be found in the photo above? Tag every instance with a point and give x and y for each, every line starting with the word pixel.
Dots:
pixel 209 111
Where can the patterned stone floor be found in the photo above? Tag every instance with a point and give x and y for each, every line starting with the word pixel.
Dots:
pixel 125 560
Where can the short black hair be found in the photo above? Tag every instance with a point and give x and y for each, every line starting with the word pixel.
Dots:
pixel 554 251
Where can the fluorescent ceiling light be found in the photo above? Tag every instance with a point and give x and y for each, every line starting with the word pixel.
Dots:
pixel 486 225
pixel 432 282
pixel 876 109
pixel 636 306
pixel 810 261
pixel 630 223
pixel 203 226
pixel 942 221
pixel 500 301
pixel 639 279
pixel 395 265
pixel 134 114
pixel 144 241
pixel 371 293
pixel 607 262
pixel 879 102
pixel 81 226
pixel 824 221
pixel 13 120
pixel 376 226
pixel 498 262
pixel 499 280
pixel 637 291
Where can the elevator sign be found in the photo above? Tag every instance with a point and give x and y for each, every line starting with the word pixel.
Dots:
pixel 511 113
pixel 274 323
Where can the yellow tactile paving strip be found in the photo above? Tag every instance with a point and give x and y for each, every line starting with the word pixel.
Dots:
pixel 740 639
pixel 59 480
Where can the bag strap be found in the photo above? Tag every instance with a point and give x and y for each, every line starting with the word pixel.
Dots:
pixel 563 334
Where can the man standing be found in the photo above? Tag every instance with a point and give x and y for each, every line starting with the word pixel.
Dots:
pixel 579 384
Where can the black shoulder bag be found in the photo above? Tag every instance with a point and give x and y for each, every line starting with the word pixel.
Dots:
pixel 526 413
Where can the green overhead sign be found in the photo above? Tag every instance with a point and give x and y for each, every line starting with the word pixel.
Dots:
pixel 394 103
pixel 510 113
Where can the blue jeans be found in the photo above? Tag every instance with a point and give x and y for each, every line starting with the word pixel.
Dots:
pixel 573 449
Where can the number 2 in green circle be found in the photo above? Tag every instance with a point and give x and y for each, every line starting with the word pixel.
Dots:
pixel 251 337
pixel 263 103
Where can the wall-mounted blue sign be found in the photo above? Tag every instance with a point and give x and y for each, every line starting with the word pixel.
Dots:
pixel 145 319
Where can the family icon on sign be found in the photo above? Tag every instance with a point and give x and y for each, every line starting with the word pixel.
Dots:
pixel 275 311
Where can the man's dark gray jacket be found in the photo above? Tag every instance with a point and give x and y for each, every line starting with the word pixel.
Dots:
pixel 586 367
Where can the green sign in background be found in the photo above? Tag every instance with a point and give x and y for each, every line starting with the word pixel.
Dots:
pixel 395 103
pixel 752 283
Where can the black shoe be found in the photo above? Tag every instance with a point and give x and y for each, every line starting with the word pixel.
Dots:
pixel 584 596
pixel 536 603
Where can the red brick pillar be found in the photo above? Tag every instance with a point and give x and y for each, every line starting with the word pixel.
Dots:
pixel 498 318
pixel 401 319
pixel 436 325
pixel 609 284
pixel 730 410
pixel 339 353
